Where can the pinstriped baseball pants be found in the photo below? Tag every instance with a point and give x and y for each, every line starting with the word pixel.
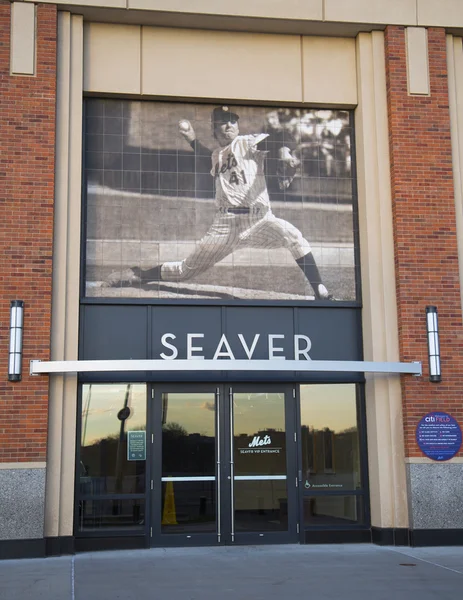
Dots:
pixel 230 232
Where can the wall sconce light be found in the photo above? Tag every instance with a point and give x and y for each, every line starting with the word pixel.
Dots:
pixel 432 328
pixel 16 340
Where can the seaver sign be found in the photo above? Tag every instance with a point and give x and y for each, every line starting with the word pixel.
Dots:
pixel 194 349
pixel 439 436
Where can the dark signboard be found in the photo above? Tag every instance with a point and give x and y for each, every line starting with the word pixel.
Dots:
pixel 169 333
pixel 439 436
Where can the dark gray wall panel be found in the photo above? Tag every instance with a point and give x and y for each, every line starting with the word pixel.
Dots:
pixel 250 321
pixel 114 332
pixel 335 333
pixel 124 332
pixel 183 320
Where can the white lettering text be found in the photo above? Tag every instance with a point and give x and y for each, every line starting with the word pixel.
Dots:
pixel 304 351
pixel 249 351
pixel 166 344
pixel 190 348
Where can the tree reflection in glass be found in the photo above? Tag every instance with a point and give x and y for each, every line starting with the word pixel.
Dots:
pixel 330 437
pixel 108 412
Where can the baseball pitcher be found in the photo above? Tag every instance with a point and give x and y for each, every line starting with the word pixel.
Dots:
pixel 244 217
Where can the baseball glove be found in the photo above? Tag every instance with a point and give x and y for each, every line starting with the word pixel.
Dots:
pixel 286 167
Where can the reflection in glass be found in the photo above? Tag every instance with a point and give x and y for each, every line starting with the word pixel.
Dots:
pixel 259 451
pixel 259 435
pixel 108 412
pixel 188 451
pixel 188 435
pixel 188 506
pixel 333 510
pixel 112 514
pixel 330 437
pixel 261 505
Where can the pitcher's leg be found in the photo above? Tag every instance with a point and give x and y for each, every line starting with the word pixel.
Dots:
pixel 206 254
pixel 272 232
pixel 219 242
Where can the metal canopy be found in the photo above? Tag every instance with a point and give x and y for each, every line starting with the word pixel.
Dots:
pixel 38 367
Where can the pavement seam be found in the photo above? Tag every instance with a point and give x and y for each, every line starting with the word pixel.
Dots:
pixel 429 562
pixel 73 593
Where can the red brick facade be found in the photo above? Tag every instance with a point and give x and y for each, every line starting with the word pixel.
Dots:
pixel 27 161
pixel 426 257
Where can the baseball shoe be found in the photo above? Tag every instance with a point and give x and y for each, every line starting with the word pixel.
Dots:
pixel 322 293
pixel 125 278
pixel 133 276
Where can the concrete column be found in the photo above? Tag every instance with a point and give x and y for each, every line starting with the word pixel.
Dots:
pixel 383 394
pixel 59 506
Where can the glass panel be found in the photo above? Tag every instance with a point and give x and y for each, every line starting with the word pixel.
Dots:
pixel 188 506
pixel 333 510
pixel 261 506
pixel 188 435
pixel 330 437
pixel 112 514
pixel 259 451
pixel 109 411
pixel 188 450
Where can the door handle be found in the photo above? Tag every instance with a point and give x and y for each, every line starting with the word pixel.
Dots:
pixel 219 516
pixel 232 466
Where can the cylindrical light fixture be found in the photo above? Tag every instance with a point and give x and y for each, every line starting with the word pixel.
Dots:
pixel 16 340
pixel 432 329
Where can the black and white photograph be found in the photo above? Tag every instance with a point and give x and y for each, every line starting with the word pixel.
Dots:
pixel 218 202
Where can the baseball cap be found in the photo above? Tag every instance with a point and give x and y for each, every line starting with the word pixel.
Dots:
pixel 223 114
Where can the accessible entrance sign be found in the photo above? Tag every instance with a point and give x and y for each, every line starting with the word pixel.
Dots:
pixel 439 436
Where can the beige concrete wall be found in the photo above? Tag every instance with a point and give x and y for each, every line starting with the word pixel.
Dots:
pixel 210 64
pixel 329 71
pixel 400 12
pixel 155 61
pixel 455 75
pixel 380 329
pixel 364 14
pixel 23 39
pixel 59 498
pixel 270 9
pixel 112 62
pixel 417 61
pixel 440 13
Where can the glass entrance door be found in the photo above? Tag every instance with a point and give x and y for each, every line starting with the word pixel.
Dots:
pixel 223 465
pixel 263 476
pixel 185 480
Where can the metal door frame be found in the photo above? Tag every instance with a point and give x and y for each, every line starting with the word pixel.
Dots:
pixel 157 538
pixel 280 537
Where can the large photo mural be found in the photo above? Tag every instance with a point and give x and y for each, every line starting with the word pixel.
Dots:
pixel 218 202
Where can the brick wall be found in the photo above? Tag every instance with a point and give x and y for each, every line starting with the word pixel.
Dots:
pixel 426 257
pixel 27 125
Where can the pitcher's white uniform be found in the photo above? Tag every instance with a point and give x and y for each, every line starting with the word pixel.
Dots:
pixel 244 217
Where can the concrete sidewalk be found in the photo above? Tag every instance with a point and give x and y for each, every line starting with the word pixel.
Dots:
pixel 363 572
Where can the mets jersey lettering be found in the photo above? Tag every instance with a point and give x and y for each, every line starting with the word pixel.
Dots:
pixel 238 170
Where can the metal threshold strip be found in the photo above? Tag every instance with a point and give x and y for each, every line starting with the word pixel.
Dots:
pixel 38 367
